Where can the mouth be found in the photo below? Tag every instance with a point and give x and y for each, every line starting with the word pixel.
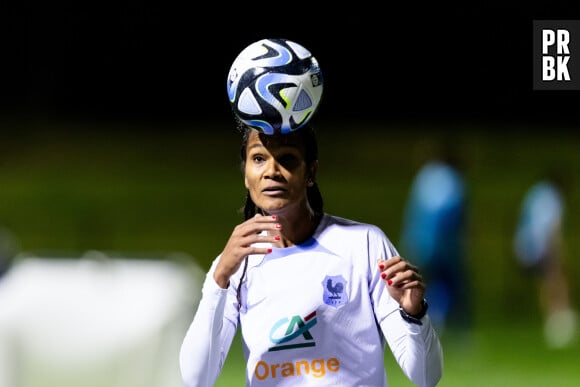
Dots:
pixel 273 191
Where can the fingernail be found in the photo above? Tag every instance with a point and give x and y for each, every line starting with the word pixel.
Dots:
pixel 383 276
pixel 269 250
pixel 389 282
pixel 278 225
pixel 382 267
pixel 274 217
pixel 276 237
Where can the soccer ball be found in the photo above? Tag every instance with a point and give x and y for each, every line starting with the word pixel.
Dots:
pixel 274 86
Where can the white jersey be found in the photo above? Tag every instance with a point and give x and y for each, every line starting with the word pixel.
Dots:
pixel 314 314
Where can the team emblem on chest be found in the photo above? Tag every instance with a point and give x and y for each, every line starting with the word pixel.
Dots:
pixel 334 290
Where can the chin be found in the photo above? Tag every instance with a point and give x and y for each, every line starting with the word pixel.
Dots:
pixel 272 208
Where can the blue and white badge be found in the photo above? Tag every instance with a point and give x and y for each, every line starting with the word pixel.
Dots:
pixel 334 290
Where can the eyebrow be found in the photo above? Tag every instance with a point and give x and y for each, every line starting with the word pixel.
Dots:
pixel 256 145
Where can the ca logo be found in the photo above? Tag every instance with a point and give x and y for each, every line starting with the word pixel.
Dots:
pixel 291 329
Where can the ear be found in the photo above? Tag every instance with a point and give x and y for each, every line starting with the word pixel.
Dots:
pixel 313 170
pixel 246 182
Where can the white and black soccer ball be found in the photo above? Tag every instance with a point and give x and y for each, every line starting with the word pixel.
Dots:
pixel 275 86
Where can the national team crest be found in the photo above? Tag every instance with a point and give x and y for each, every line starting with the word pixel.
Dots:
pixel 334 290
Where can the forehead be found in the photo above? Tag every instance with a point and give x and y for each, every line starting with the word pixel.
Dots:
pixel 272 142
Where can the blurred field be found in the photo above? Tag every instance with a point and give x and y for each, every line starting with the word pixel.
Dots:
pixel 74 187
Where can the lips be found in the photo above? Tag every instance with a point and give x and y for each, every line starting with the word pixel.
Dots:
pixel 273 190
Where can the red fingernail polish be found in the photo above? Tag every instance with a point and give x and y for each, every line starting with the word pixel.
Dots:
pixel 269 250
pixel 383 276
pixel 382 267
pixel 278 225
pixel 277 237
pixel 274 217
pixel 390 282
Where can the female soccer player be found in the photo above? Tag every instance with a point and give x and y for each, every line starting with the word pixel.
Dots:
pixel 317 297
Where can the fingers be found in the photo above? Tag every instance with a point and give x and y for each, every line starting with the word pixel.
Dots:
pixel 400 273
pixel 259 229
pixel 254 236
pixel 404 283
pixel 248 236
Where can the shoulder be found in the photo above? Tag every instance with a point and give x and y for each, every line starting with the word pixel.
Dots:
pixel 350 238
pixel 336 224
pixel 337 221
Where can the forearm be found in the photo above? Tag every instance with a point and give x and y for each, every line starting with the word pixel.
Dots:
pixel 208 338
pixel 416 348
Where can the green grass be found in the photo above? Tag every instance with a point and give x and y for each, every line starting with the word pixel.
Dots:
pixel 72 186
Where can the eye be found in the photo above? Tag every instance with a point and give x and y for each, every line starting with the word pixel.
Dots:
pixel 289 161
pixel 258 159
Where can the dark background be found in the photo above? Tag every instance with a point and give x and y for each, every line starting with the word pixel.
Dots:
pixel 163 61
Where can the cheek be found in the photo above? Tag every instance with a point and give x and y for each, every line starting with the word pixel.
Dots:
pixel 298 184
pixel 249 179
pixel 300 178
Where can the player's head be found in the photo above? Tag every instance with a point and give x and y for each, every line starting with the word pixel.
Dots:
pixel 444 150
pixel 296 153
pixel 560 176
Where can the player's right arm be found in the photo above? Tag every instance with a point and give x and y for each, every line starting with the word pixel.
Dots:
pixel 209 337
pixel 214 325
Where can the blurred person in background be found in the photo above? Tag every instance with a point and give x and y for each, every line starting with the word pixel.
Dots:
pixel 434 233
pixel 317 297
pixel 539 248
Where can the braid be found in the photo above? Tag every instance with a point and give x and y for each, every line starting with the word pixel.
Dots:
pixel 315 199
pixel 250 208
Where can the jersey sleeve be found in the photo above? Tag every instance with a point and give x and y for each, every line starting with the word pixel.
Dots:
pixel 209 337
pixel 416 348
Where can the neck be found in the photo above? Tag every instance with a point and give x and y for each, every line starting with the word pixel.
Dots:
pixel 297 229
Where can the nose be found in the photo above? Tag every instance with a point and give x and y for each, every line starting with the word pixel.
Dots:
pixel 272 169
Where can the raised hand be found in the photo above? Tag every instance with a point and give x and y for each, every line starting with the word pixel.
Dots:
pixel 259 229
pixel 404 283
